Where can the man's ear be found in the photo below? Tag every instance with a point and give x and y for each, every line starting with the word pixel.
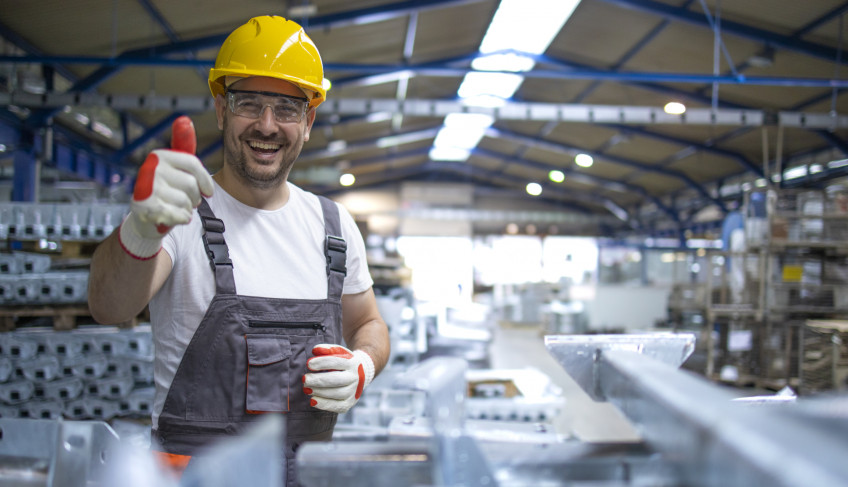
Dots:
pixel 220 108
pixel 310 119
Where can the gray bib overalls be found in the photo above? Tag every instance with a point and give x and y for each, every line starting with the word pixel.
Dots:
pixel 248 355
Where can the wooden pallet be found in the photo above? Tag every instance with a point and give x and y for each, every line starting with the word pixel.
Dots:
pixel 64 316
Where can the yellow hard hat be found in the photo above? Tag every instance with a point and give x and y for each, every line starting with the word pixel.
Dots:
pixel 274 47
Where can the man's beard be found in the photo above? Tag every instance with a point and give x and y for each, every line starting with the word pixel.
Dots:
pixel 236 157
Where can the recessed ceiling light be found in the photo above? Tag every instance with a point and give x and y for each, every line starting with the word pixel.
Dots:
pixel 584 160
pixel 534 189
pixel 347 179
pixel 556 176
pixel 674 108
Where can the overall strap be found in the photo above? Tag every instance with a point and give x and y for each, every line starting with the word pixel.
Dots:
pixel 216 249
pixel 335 249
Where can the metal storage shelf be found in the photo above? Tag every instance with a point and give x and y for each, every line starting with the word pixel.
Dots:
pixel 779 281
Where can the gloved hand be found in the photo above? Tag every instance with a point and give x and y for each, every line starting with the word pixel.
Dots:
pixel 168 188
pixel 338 377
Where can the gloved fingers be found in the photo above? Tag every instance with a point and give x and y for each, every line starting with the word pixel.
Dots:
pixel 328 362
pixel 340 378
pixel 170 207
pixel 171 177
pixel 331 405
pixel 335 393
pixel 188 163
pixel 324 349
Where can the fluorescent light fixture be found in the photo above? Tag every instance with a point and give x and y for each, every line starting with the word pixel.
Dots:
pixel 459 138
pixel 449 154
pixel 79 117
pixel 526 25
pixel 501 85
pixel 378 117
pixel 584 160
pixel 460 133
pixel 503 62
pixel 534 189
pixel 674 108
pixel 469 121
pixel 556 176
pixel 795 172
pixel 396 140
pixel 347 179
pixel 102 129
pixel 760 183
pixel 616 210
pixel 512 31
pixel 337 145
pixel 816 168
pixel 839 163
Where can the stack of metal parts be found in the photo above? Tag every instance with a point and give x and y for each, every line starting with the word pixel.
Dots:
pixel 693 433
pixel 26 279
pixel 59 221
pixel 88 373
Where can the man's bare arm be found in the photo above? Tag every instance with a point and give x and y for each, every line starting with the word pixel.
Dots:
pixel 119 285
pixel 364 328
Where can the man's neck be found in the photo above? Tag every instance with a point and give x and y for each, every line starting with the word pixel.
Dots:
pixel 264 199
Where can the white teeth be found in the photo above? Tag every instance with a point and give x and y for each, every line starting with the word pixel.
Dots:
pixel 264 146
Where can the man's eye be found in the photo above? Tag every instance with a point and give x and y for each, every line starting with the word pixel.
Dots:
pixel 285 109
pixel 249 104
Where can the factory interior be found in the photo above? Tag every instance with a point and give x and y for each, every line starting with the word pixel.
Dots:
pixel 609 238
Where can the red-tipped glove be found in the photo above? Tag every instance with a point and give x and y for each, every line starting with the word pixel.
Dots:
pixel 168 188
pixel 338 377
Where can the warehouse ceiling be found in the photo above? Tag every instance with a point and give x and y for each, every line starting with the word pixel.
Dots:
pixel 762 83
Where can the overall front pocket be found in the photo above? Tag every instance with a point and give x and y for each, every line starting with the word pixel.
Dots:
pixel 267 373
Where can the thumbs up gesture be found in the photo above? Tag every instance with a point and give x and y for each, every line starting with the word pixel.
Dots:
pixel 169 186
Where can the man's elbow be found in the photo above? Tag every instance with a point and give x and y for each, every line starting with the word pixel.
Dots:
pixel 107 315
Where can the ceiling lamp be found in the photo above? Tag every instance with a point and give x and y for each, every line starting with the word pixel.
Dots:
pixel 347 179
pixel 584 160
pixel 534 189
pixel 674 108
pixel 556 176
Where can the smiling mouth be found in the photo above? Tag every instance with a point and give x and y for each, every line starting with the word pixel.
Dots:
pixel 264 147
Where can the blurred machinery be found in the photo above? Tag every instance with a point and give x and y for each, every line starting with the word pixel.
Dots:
pixel 693 433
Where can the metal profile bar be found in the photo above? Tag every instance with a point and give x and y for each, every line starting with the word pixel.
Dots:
pixel 535 111
pixel 715 441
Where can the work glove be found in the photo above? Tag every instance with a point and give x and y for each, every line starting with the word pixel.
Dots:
pixel 168 188
pixel 338 377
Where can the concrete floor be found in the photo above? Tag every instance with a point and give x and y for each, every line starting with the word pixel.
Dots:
pixel 520 346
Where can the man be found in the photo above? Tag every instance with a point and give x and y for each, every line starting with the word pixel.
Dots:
pixel 247 276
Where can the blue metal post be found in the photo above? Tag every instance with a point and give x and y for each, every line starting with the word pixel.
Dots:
pixel 25 178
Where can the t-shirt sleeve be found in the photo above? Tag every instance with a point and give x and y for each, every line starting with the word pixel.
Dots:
pixel 358 277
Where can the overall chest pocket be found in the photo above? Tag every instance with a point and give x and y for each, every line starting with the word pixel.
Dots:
pixel 268 364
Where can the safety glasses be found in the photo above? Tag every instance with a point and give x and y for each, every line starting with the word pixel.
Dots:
pixel 251 104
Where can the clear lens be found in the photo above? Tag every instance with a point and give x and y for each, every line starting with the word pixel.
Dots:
pixel 251 104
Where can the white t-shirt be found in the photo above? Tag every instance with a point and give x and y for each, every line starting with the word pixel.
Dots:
pixel 275 254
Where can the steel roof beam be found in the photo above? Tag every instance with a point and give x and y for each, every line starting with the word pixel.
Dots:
pixel 557 147
pixel 742 160
pixel 586 178
pixel 686 15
